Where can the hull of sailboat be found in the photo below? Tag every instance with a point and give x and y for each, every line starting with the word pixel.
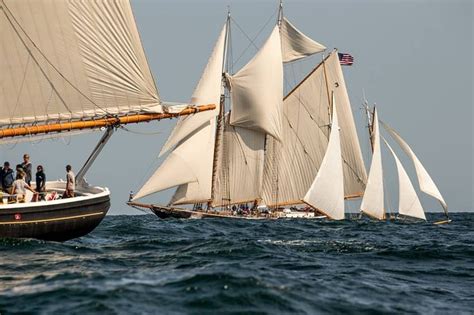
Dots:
pixel 181 213
pixel 56 220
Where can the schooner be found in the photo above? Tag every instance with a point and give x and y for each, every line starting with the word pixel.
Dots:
pixel 267 151
pixel 68 67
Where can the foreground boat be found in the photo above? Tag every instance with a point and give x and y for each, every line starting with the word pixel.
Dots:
pixel 55 219
pixel 70 67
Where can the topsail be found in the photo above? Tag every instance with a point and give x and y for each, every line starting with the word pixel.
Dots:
pixel 296 45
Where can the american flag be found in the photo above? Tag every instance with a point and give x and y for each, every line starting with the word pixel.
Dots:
pixel 346 59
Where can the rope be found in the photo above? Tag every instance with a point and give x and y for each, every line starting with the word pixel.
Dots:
pixel 140 132
pixel 252 41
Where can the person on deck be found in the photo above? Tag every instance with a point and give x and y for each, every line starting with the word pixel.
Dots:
pixel 19 170
pixel 26 166
pixel 70 182
pixel 6 178
pixel 40 183
pixel 19 188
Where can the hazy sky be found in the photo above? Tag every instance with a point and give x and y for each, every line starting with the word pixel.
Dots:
pixel 412 58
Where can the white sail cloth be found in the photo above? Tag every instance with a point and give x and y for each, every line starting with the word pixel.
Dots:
pixel 296 159
pixel 182 165
pixel 425 181
pixel 408 202
pixel 207 91
pixel 189 165
pixel 241 166
pixel 257 90
pixel 373 200
pixel 327 191
pixel 66 60
pixel 296 45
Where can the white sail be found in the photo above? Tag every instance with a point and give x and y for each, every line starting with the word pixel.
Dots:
pixel 408 203
pixel 202 158
pixel 327 191
pixel 241 169
pixel 292 164
pixel 182 165
pixel 427 184
pixel 257 90
pixel 207 91
pixel 63 60
pixel 373 200
pixel 296 45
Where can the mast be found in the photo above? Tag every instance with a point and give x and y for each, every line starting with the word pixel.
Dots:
pixel 280 13
pixel 327 90
pixel 221 117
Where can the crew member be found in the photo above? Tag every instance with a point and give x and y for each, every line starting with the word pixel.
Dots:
pixel 70 182
pixel 19 188
pixel 26 166
pixel 40 182
pixel 6 177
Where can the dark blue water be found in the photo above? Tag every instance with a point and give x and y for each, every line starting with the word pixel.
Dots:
pixel 140 264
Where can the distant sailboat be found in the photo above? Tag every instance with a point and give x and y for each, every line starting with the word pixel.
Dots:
pixel 409 203
pixel 69 67
pixel 264 153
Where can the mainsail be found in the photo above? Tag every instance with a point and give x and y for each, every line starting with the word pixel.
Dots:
pixel 241 172
pixel 306 120
pixel 75 60
pixel 327 190
pixel 408 203
pixel 373 200
pixel 425 181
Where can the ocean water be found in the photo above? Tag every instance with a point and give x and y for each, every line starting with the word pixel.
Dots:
pixel 140 265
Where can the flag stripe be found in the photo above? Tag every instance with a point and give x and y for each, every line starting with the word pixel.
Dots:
pixel 345 59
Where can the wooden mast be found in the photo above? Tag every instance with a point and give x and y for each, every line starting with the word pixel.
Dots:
pixel 97 123
pixel 220 118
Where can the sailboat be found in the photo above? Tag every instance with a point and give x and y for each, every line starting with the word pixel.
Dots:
pixel 261 158
pixel 409 204
pixel 68 67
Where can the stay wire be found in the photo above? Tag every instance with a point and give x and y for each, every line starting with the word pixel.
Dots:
pixel 252 41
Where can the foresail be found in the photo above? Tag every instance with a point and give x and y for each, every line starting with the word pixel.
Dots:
pixel 425 181
pixel 187 163
pixel 207 91
pixel 296 45
pixel 257 90
pixel 327 191
pixel 202 158
pixel 66 60
pixel 373 200
pixel 241 169
pixel 409 204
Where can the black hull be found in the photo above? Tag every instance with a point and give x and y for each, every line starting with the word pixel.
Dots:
pixel 164 213
pixel 54 222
